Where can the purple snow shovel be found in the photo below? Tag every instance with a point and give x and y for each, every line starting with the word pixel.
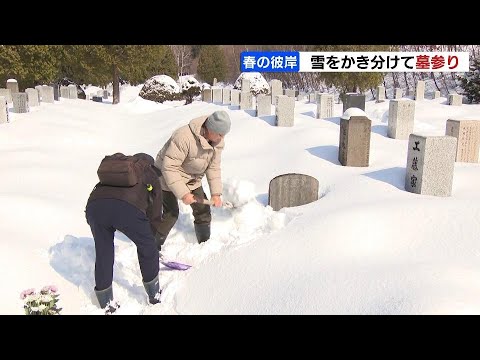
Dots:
pixel 174 265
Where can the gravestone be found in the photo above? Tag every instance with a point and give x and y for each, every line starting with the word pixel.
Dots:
pixel 275 101
pixel 214 81
pixel 32 97
pixel 245 85
pixel 207 95
pixel 467 133
pixel 420 90
pixel 3 110
pixel 276 88
pixel 246 101
pixel 311 97
pixel 430 165
pixel 97 98
pixel 7 93
pixel 235 97
pixel 290 93
pixel 401 115
pixel 64 92
pixel 226 97
pixel 454 99
pixel 20 103
pixel 217 95
pixel 301 96
pixel 48 95
pixel 39 92
pixel 324 106
pixel 353 100
pixel 354 142
pixel 380 94
pixel 105 94
pixel 290 190
pixel 398 93
pixel 264 105
pixel 436 94
pixel 12 84
pixel 56 92
pixel 72 92
pixel 285 111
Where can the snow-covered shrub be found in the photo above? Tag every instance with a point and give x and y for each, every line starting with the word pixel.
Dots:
pixel 258 84
pixel 159 88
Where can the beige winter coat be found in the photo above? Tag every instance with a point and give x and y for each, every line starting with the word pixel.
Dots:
pixel 186 157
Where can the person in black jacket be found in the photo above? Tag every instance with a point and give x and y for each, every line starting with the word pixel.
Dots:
pixel 136 211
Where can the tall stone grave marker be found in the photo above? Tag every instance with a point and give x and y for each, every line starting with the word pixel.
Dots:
pixel 20 103
pixel 285 111
pixel 324 105
pixel 72 92
pixel 398 93
pixel 64 92
pixel 380 94
pixel 207 95
pixel 290 93
pixel 353 100
pixel 467 133
pixel 226 96
pixel 354 142
pixel 39 92
pixel 455 99
pixel 7 93
pixel 276 88
pixel 217 95
pixel 264 105
pixel 32 97
pixel 420 90
pixel 245 85
pixel 3 110
pixel 56 92
pixel 48 95
pixel 235 97
pixel 12 84
pixel 430 164
pixel 401 114
pixel 246 100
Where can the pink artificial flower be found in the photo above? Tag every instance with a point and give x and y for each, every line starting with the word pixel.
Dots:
pixel 27 292
pixel 49 288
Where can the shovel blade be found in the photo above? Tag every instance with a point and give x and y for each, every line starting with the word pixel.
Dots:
pixel 175 265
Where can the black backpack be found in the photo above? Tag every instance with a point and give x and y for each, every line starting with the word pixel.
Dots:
pixel 121 170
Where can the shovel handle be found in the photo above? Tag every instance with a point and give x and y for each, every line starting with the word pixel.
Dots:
pixel 226 204
pixel 203 201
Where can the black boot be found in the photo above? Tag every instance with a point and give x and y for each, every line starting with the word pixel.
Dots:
pixel 153 290
pixel 202 231
pixel 105 300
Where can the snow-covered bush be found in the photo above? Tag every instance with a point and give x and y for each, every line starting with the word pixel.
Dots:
pixel 258 84
pixel 159 88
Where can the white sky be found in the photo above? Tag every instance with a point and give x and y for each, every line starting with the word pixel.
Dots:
pixel 365 247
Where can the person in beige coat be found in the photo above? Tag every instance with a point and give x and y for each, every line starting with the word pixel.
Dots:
pixel 192 152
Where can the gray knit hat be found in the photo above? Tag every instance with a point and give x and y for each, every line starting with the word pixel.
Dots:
pixel 218 122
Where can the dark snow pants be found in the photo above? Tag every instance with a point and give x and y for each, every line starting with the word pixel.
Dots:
pixel 201 212
pixel 104 217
